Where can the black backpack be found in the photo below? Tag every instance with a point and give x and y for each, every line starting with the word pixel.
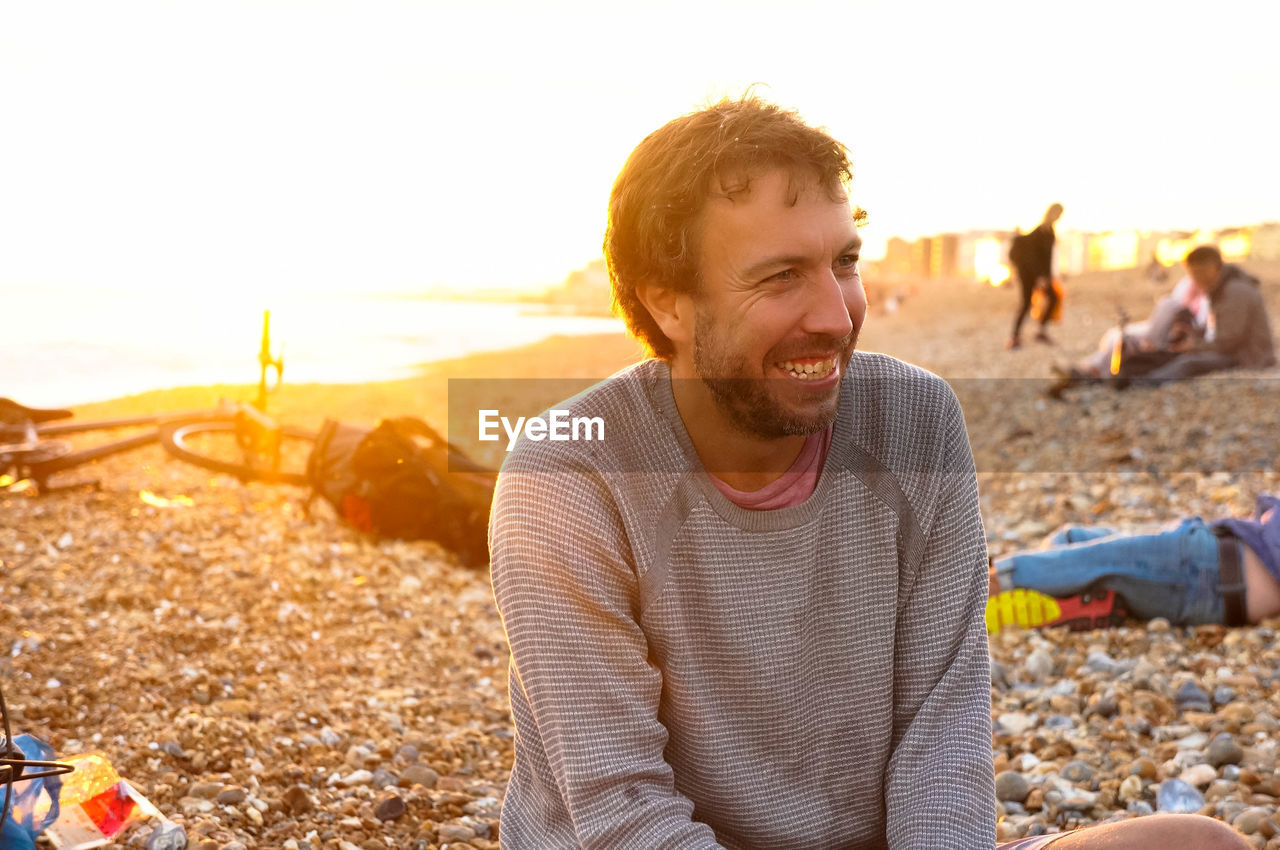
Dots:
pixel 1020 249
pixel 403 480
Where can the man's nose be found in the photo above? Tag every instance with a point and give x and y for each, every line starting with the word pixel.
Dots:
pixel 828 310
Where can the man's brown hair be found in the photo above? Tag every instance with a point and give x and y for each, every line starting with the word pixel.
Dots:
pixel 657 200
pixel 1204 254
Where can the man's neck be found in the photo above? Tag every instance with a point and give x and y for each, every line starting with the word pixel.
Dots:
pixel 742 460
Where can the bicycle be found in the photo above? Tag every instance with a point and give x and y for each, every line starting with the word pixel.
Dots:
pixel 32 448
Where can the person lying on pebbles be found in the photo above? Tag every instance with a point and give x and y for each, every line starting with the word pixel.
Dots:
pixel 1191 573
pixel 753 614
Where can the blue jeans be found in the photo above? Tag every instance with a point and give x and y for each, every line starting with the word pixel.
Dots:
pixel 1171 573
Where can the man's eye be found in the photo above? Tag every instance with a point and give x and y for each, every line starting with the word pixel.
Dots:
pixel 846 261
pixel 783 276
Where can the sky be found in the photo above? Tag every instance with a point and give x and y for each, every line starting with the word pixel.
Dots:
pixel 261 146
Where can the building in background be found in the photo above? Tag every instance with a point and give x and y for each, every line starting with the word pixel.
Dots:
pixel 983 256
pixel 942 255
pixel 1266 242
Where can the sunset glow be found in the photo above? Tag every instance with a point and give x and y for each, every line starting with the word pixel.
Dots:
pixel 1114 251
pixel 988 261
pixel 280 146
pixel 162 502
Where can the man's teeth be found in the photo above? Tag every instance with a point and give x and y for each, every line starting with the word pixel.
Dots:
pixel 807 371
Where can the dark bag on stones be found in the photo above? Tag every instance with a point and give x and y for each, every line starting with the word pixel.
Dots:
pixel 403 480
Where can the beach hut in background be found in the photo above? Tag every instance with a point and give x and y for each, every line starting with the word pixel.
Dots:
pixel 942 256
pixel 982 256
pixel 921 257
pixel 1235 243
pixel 1266 242
pixel 897 258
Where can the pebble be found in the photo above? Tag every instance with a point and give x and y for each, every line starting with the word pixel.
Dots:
pixel 173 748
pixel 166 836
pixel 1103 705
pixel 1057 721
pixel 1011 785
pixel 1016 722
pixel 383 778
pixel 1078 772
pixel 1100 662
pixel 389 807
pixel 999 678
pixel 1039 665
pixel 454 832
pixel 230 796
pixel 357 756
pixel 419 774
pixel 1250 819
pixel 297 800
pixel 359 777
pixel 1177 796
pixel 1191 697
pixel 1223 749
pixel 1198 775
pixel 1143 671
pixel 205 790
pixel 1144 768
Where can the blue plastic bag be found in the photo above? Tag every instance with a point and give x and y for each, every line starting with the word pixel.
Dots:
pixel 34 802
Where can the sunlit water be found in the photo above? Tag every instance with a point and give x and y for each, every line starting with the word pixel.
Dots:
pixel 75 346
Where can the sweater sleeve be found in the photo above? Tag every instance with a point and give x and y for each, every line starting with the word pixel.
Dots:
pixel 940 788
pixel 566 589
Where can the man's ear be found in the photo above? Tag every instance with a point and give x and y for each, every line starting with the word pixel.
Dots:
pixel 673 311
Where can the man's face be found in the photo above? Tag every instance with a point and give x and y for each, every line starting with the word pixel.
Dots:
pixel 780 305
pixel 1204 275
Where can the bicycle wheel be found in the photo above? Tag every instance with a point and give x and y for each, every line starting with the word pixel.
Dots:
pixel 213 445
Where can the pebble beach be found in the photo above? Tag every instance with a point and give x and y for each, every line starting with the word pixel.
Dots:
pixel 269 678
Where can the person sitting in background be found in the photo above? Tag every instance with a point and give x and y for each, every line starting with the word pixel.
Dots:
pixel 1214 319
pixel 1192 573
pixel 1238 332
pixel 1181 315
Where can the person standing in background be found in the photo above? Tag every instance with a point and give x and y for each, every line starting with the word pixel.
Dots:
pixel 1032 258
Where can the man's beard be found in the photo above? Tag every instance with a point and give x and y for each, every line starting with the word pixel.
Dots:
pixel 747 400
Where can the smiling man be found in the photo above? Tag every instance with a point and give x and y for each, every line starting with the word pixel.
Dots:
pixel 753 615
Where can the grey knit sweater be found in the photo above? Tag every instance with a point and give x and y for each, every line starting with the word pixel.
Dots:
pixel 689 674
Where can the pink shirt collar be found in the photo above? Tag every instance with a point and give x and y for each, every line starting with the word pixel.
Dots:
pixel 793 486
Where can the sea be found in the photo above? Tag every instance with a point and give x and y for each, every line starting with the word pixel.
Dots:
pixel 69 346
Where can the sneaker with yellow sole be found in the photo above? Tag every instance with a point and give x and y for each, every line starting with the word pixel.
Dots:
pixel 1031 609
